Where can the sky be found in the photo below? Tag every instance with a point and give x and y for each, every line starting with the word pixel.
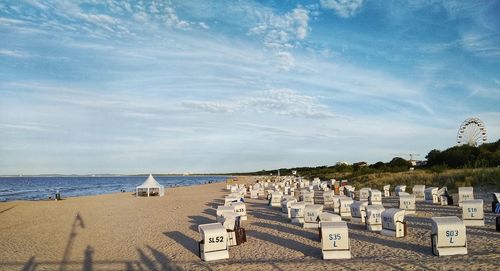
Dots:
pixel 223 86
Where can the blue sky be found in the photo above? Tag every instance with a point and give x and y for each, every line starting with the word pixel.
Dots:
pixel 218 86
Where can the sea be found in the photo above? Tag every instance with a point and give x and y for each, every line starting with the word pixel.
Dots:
pixel 42 187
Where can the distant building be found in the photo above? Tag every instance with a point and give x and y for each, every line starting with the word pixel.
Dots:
pixel 342 163
pixel 420 163
pixel 360 164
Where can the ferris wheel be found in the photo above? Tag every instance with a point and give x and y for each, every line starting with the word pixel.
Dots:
pixel 472 132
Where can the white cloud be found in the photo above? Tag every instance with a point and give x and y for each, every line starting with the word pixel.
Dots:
pixel 11 53
pixel 117 18
pixel 437 47
pixel 481 44
pixel 483 91
pixel 277 39
pixel 22 126
pixel 288 102
pixel 141 17
pixel 285 60
pixel 290 132
pixel 204 25
pixel 171 19
pixel 9 21
pixel 283 31
pixel 36 4
pixel 213 107
pixel 284 102
pixel 300 20
pixel 344 8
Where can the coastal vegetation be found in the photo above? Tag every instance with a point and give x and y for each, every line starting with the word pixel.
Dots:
pixel 454 167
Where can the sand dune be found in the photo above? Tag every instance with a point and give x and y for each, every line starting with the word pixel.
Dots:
pixel 121 232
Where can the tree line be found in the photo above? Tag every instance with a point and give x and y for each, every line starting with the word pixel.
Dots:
pixel 465 156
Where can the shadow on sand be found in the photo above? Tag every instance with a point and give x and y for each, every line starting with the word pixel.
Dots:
pixel 196 220
pixel 186 241
pixel 10 208
pixel 307 250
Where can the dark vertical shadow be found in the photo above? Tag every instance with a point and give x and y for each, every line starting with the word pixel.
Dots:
pixel 186 241
pixel 393 266
pixel 162 259
pixel 269 215
pixel 77 222
pixel 139 266
pixel 196 220
pixel 148 263
pixel 87 262
pixel 129 267
pixel 391 243
pixel 275 267
pixel 307 250
pixel 30 265
pixel 10 208
pixel 210 211
pixel 293 229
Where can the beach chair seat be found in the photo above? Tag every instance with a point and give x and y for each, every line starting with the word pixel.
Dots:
pixel 448 236
pixel 214 242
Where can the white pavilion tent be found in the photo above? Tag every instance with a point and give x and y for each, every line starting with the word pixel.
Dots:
pixel 150 187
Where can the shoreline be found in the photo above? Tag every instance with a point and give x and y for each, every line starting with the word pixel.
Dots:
pixel 132 193
pixel 116 175
pixel 128 188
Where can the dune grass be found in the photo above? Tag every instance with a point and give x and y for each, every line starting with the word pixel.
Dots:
pixel 452 179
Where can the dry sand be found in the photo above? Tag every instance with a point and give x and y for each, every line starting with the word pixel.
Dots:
pixel 121 232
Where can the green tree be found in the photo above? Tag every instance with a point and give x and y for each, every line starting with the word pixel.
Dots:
pixel 398 162
pixel 434 158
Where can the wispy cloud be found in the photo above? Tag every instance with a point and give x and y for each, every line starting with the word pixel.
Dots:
pixel 9 21
pixel 344 8
pixel 485 92
pixel 278 101
pixel 437 47
pixel 283 31
pixel 286 60
pixel 11 53
pixel 36 4
pixel 171 19
pixel 88 99
pixel 24 126
pixel 204 25
pixel 484 45
pixel 99 20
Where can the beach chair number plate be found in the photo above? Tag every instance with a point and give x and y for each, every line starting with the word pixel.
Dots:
pixel 451 234
pixel 334 237
pixel 472 211
pixel 218 239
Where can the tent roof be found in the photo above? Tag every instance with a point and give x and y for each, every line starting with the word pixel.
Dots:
pixel 150 182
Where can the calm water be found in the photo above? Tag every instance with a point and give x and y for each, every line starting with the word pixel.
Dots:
pixel 37 188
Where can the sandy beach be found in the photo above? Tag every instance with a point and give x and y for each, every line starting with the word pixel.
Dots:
pixel 122 232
